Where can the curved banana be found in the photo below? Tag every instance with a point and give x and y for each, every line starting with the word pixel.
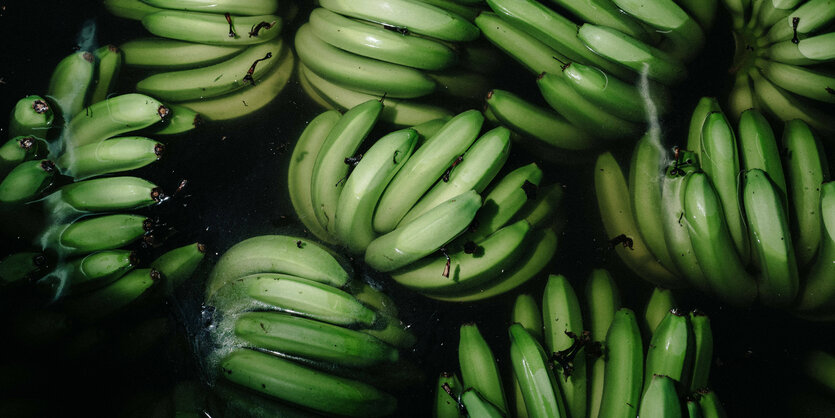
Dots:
pixel 212 28
pixel 354 212
pixel 392 331
pixel 277 254
pixel 312 339
pixel 71 83
pixel 704 107
pixel 741 97
pixel 414 16
pixel 660 302
pixel 787 106
pixel 425 167
pixel 514 41
pixel 802 81
pixel 704 11
pixel 603 300
pixel 671 351
pixel 102 195
pixel 31 116
pixel 606 13
pixel 526 312
pixel 233 7
pixel 466 268
pixel 818 289
pixel 425 234
pixel 112 117
pixel 171 54
pixel 660 399
pixel 379 43
pixel 807 169
pixel 18 150
pixel 683 37
pixel 180 120
pixel 703 354
pixel 624 369
pixel 402 113
pixel 562 318
pixel 546 211
pixel 108 65
pixel 807 18
pixel 372 297
pixel 479 370
pixel 477 405
pixel 111 156
pixel 617 214
pixel 95 270
pixel 476 169
pixel 286 380
pixel 217 79
pixel 130 9
pixel 446 403
pixel 26 181
pixel 331 167
pixel 366 75
pixel 96 234
pixel 770 239
pixel 179 264
pixel 758 149
pixel 118 296
pixel 807 51
pixel 632 53
pixel 710 404
pixel 243 102
pixel 536 380
pixel 712 243
pixel 580 111
pixel 291 294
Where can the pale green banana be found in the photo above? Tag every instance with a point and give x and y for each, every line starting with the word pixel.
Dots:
pixel 110 156
pixel 71 83
pixel 660 302
pixel 108 65
pixel 446 403
pixel 536 380
pixel 479 370
pixel 602 300
pixel 660 400
pixel 561 316
pixel 102 195
pixel 95 234
pixel 112 117
pixel 212 28
pixel 526 312
pixel 234 7
pixel 671 351
pixel 31 116
pixel 25 182
pixel 171 54
pixel 178 265
pixel 624 370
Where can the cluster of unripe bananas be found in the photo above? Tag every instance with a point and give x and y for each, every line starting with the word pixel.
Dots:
pixel 223 60
pixel 606 366
pixel 411 204
pixel 293 322
pixel 731 215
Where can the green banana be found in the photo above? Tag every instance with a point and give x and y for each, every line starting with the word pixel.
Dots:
pixel 719 158
pixel 606 13
pixel 110 156
pixel 547 127
pixel 71 83
pixel 26 181
pixel 799 80
pixel 693 408
pixel 233 7
pixel 582 112
pixel 562 318
pixel 312 339
pixel 526 312
pixel 372 297
pixel 546 211
pixel 130 9
pixel 704 11
pixel 516 42
pixel 95 270
pixel 16 151
pixel 31 116
pixel 536 380
pixel 102 195
pixel 617 214
pixel 425 167
pixel 646 192
pixel 331 168
pixel 683 37
pixel 703 353
pixel 392 331
pixel 769 13
pixel 286 293
pixel 179 264
pixel 808 18
pixel 465 269
pixel 624 370
pixel 660 400
pixel 108 64
pixel 379 43
pixel 22 266
pixel 243 102
pixel 446 403
pixel 603 300
pixel 758 149
pixel 213 29
pixel 286 380
pixel 414 16
pixel 424 235
pixel 741 97
pixel 366 75
pixel 479 370
pixel 710 405
pixel 180 120
pixel 660 302
pixel 807 51
pixel 770 239
pixel 277 254
pixel 787 106
pixel 95 234
pixel 171 54
pixel 429 128
pixel 712 243
pixel 112 117
pixel 118 296
pixel 477 405
pixel 217 79
pixel 633 54
pixel 818 289
pixel 704 107
pixel 300 171
pixel 671 351
pixel 477 168
pixel 354 212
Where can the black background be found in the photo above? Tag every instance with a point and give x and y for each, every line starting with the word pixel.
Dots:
pixel 236 189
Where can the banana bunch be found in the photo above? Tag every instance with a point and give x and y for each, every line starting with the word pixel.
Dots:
pixel 731 215
pixel 354 51
pixel 292 322
pixel 782 63
pixel 412 203
pixel 604 67
pixel 562 367
pixel 219 59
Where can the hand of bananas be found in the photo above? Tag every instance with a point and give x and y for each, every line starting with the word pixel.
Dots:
pixel 551 376
pixel 292 322
pixel 732 215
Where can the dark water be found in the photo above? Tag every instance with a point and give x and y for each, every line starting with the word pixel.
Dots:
pixel 236 189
